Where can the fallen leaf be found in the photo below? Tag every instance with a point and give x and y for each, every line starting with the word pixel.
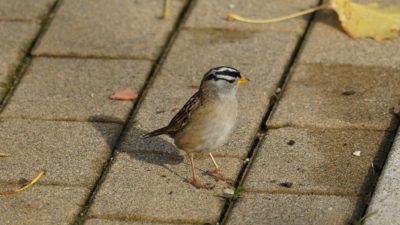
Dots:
pixel 125 94
pixel 368 21
pixel 357 20
pixel 357 153
pixel 36 179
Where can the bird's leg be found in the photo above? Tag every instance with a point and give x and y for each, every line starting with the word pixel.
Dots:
pixel 195 182
pixel 216 171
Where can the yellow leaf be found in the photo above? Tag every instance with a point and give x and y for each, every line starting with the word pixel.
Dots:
pixel 368 21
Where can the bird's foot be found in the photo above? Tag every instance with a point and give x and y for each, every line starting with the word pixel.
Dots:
pixel 217 174
pixel 197 184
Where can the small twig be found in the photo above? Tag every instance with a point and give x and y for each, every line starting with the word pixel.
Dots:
pixel 274 20
pixel 3 155
pixel 167 4
pixel 36 179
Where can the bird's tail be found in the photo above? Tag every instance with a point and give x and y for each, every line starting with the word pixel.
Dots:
pixel 156 132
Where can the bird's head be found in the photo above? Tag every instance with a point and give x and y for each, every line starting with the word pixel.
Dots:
pixel 222 80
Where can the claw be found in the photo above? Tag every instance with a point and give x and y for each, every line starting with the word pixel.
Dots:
pixel 200 185
pixel 217 174
pixel 194 181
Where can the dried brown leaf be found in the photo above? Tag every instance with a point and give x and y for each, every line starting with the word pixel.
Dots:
pixel 125 94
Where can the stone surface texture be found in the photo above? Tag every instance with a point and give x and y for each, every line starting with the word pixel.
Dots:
pixel 280 209
pixel 385 203
pixel 339 96
pixel 15 39
pixel 71 153
pixel 113 28
pixel 328 44
pixel 315 161
pixel 116 222
pixel 76 89
pixel 155 187
pixel 24 10
pixel 42 204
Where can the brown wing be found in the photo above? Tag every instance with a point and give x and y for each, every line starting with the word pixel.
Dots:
pixel 182 117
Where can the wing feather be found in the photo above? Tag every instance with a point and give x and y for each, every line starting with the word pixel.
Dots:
pixel 181 119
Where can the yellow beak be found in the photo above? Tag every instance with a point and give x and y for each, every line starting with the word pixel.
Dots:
pixel 242 80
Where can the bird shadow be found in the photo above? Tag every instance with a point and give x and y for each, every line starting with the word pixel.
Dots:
pixel 154 150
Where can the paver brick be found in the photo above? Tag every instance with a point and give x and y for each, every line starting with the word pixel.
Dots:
pixel 42 204
pixel 109 28
pixel 213 14
pixel 339 96
pixel 72 153
pixel 385 203
pixel 282 209
pixel 116 222
pixel 316 161
pixel 76 89
pixel 261 56
pixel 154 187
pixel 328 44
pixel 24 10
pixel 15 39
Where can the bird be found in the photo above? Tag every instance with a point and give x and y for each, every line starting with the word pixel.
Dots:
pixel 207 119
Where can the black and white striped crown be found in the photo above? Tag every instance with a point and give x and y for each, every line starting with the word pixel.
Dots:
pixel 223 73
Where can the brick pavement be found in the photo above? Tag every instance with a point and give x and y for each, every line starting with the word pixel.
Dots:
pixel 67 57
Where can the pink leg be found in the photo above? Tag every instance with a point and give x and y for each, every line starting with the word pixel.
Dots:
pixel 215 171
pixel 196 182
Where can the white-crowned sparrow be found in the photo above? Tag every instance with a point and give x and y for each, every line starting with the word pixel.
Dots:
pixel 207 119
